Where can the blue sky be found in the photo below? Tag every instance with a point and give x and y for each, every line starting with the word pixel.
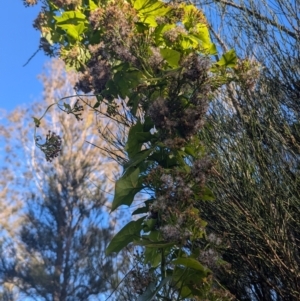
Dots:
pixel 19 40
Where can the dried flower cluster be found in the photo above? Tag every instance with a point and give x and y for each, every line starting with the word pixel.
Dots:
pixel 96 18
pixel 174 34
pixel 155 59
pixel 210 256
pixel 118 22
pixel 49 49
pixel 176 194
pixel 178 116
pixel 30 2
pixel 175 118
pixel 95 77
pixel 248 72
pixel 52 147
pixel 62 3
pixel 40 21
pixel 200 169
pixel 117 42
pixel 77 110
pixel 175 233
pixel 139 280
pixel 195 68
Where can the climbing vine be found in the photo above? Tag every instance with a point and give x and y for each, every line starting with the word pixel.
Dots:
pixel 158 57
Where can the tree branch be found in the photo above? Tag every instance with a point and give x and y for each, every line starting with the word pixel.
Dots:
pixel 260 17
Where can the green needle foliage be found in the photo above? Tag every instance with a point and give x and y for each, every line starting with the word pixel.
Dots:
pixel 156 58
pixel 253 133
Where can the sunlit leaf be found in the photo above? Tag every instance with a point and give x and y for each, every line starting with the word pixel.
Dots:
pixel 92 5
pixel 228 59
pixel 70 17
pixel 171 56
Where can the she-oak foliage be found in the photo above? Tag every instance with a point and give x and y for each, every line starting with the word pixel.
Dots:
pixel 156 57
pixel 256 142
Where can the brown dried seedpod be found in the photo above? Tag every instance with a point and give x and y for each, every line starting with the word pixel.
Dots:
pixel 52 147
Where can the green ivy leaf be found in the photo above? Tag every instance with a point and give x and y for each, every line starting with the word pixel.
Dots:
pixel 138 158
pixel 152 256
pixel 190 151
pixel 188 19
pixel 141 27
pixel 121 84
pixel 70 17
pixel 147 5
pixel 163 157
pixel 126 188
pixel 140 211
pixel 111 90
pixel 150 18
pixel 153 240
pixel 149 224
pixel 92 5
pixel 144 137
pixel 171 56
pixel 190 263
pixel 125 236
pixel 157 245
pixel 212 50
pixel 134 77
pixel 133 146
pixel 133 102
pixel 73 22
pixel 228 59
pixel 202 33
pixel 148 124
pixel 189 42
pixel 71 31
pixel 186 280
pixel 125 80
pixel 149 10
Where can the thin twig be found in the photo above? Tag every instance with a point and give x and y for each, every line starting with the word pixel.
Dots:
pixel 35 53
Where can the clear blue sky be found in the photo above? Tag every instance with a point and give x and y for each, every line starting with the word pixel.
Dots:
pixel 18 41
